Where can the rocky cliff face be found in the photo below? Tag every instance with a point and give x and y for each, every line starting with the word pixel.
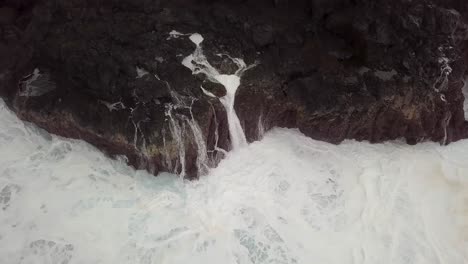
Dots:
pixel 111 72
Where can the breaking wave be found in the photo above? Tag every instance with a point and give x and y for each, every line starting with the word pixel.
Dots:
pixel 284 199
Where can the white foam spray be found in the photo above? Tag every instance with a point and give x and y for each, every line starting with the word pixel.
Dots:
pixel 284 199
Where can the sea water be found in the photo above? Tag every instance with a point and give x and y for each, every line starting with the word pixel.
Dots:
pixel 284 199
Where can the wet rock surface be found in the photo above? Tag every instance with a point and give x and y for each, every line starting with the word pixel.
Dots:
pixel 110 72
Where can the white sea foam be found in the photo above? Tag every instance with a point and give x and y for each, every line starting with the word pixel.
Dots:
pixel 196 38
pixel 285 199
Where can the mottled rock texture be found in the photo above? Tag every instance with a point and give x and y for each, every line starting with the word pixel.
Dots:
pixel 336 69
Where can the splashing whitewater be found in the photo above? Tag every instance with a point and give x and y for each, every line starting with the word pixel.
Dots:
pixel 284 199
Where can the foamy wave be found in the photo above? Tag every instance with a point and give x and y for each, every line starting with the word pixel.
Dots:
pixel 285 199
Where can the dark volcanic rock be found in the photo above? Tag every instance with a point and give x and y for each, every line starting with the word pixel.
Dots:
pixel 108 72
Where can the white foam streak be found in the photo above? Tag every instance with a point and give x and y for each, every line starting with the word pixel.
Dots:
pixel 231 82
pixel 202 153
pixel 36 84
pixel 465 94
pixel 198 63
pixel 177 133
